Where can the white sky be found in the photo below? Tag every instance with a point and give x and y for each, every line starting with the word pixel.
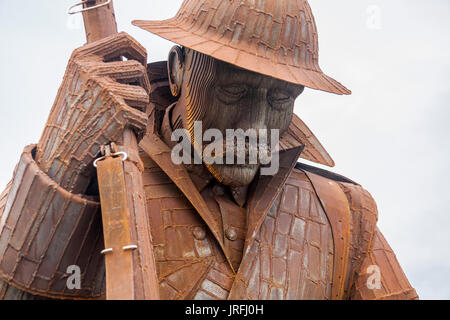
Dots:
pixel 391 135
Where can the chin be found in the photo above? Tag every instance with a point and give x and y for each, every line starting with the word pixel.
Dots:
pixel 234 175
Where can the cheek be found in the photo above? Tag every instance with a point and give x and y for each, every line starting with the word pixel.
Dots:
pixel 218 115
pixel 201 105
pixel 280 119
pixel 224 116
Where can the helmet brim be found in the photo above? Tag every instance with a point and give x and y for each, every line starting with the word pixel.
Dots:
pixel 172 31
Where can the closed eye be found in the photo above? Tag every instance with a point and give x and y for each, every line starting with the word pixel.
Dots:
pixel 231 93
pixel 280 99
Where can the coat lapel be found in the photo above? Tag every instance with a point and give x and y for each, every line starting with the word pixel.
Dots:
pixel 267 190
pixel 161 154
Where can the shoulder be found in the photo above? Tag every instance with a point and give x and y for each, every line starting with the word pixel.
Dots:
pixel 351 211
pixel 333 186
pixel 353 190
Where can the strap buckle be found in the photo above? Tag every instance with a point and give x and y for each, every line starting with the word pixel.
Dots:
pixel 110 151
pixel 124 158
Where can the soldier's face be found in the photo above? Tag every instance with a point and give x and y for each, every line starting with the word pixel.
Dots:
pixel 223 97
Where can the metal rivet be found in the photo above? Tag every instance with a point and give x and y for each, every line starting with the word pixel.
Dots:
pixel 231 234
pixel 199 233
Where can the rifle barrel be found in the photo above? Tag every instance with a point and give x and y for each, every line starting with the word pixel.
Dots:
pixel 99 23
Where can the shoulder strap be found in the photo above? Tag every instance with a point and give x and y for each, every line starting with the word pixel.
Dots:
pixel 324 173
pixel 336 207
pixel 129 261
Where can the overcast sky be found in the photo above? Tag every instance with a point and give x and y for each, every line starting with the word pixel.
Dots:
pixel 391 135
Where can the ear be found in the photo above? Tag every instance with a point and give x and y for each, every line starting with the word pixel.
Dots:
pixel 175 66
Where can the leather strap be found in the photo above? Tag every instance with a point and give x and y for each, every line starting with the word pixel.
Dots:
pixel 116 230
pixel 336 207
pixel 130 263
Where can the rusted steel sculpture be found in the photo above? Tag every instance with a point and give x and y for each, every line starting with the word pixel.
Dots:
pixel 190 231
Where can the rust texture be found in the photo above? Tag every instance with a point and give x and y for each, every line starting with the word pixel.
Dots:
pixel 302 233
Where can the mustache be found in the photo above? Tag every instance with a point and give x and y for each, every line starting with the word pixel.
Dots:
pixel 249 151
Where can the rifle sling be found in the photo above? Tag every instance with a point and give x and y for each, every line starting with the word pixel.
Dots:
pixel 116 229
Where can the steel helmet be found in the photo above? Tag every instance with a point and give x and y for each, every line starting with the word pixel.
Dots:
pixel 277 38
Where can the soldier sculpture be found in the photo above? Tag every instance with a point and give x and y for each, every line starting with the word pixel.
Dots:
pixel 139 225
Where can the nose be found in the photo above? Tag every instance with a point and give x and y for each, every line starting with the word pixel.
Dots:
pixel 255 111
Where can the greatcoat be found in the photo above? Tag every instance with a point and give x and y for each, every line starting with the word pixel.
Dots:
pixel 309 233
